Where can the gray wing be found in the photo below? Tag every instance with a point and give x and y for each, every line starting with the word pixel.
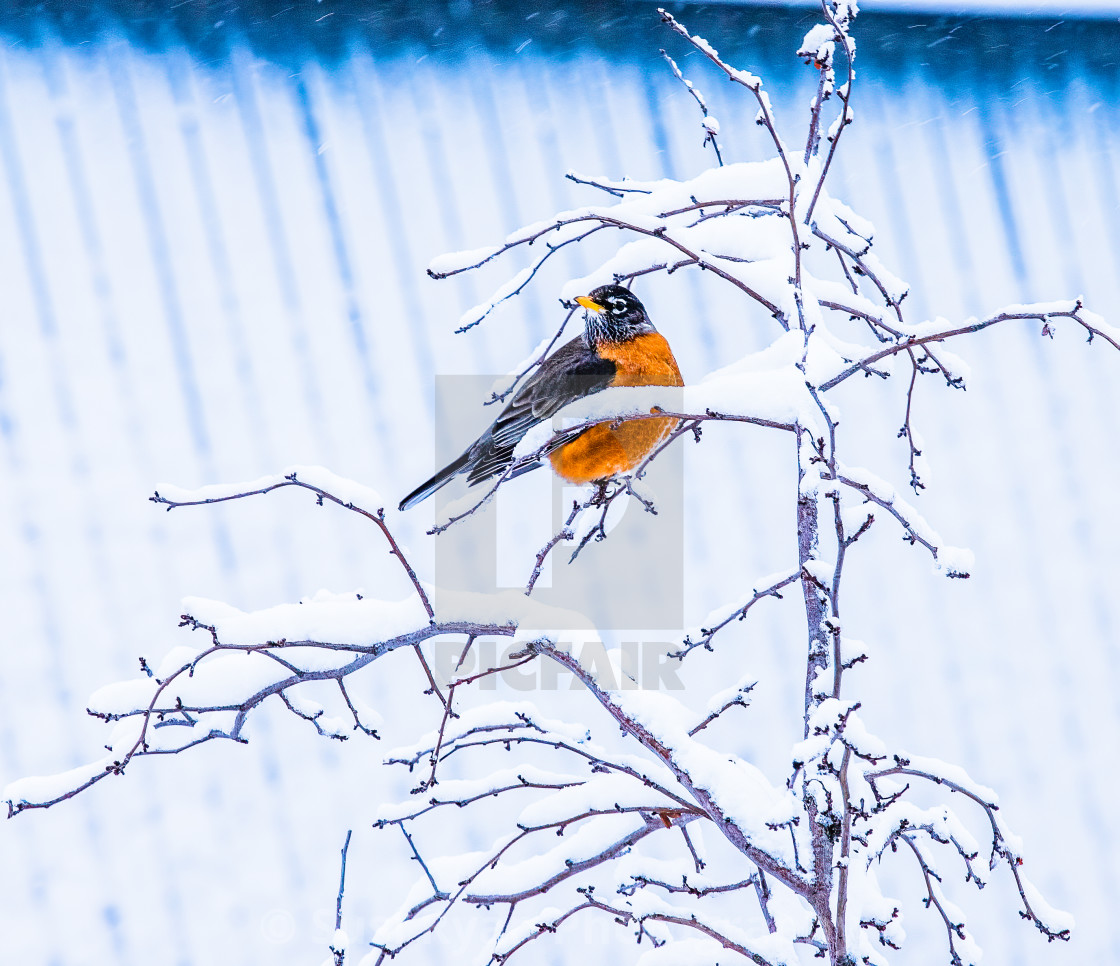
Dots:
pixel 570 373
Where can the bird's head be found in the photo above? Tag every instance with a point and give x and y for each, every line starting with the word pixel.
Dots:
pixel 613 314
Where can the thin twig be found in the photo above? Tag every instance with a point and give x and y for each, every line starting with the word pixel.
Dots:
pixel 340 954
pixel 707 633
pixel 739 701
pixel 1039 313
pixel 710 134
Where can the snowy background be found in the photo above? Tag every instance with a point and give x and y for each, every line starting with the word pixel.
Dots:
pixel 213 232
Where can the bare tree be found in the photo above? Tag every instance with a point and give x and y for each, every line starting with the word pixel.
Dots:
pixel 773 871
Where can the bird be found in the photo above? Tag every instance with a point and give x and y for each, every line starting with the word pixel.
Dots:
pixel 619 347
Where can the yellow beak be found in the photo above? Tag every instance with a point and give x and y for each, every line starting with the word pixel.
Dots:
pixel 589 303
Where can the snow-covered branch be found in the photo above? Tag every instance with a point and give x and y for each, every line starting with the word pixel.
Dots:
pixel 614 406
pixel 646 718
pixel 1005 845
pixel 719 619
pixel 931 333
pixel 196 695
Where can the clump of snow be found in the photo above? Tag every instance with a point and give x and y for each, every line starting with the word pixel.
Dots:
pixel 348 491
pixel 879 916
pixel 777 948
pixel 36 790
pixel 476 314
pixel 821 571
pixel 458 261
pixel 948 560
pixel 838 717
pixel 600 793
pixel 819 44
pixel 343 619
pixel 776 397
pixel 721 698
pixel 578 844
pixel 122 697
pixel 1055 920
pixel 954 561
pixel 737 788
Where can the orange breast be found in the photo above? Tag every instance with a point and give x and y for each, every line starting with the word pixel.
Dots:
pixel 605 450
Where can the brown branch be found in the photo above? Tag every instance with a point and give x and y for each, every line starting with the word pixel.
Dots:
pixel 695 258
pixel 999 846
pixel 547 928
pixel 908 429
pixel 519 464
pixel 377 517
pixel 730 206
pixel 701 796
pixel 1040 313
pixel 563 534
pixel 707 633
pixel 766 119
pixel 875 322
pixel 817 599
pixel 749 81
pixel 711 134
pixel 604 495
pixel 436 803
pixel 623 845
pixel 597 762
pixel 604 220
pixel 322 495
pixel 312 718
pixel 358 726
pixel 955 930
pixel 614 189
pixel 152 714
pixel 845 852
pixel 500 397
pixel 652 824
pixel 643 882
pixel 690 921
pixel 532 273
pixel 340 954
pixel 762 891
pixel 823 93
pixel 447 714
pixel 739 701
pixel 844 93
pixel 912 534
pixel 625 917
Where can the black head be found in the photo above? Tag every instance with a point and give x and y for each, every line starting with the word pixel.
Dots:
pixel 614 314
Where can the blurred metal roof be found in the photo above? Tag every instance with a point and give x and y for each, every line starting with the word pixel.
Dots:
pixel 214 222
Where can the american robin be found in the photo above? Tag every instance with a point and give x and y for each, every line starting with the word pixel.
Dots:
pixel 619 347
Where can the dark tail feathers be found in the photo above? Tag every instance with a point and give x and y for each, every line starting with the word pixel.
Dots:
pixel 442 478
pixel 449 472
